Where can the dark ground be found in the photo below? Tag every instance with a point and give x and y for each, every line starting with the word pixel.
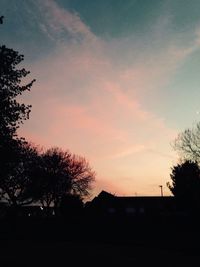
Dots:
pixel 40 253
pixel 92 243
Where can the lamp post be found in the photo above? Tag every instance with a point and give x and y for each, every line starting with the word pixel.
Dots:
pixel 161 189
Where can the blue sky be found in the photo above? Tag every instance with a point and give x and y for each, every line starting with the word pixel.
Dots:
pixel 116 82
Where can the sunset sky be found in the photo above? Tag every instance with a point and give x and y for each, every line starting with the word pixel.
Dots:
pixel 117 80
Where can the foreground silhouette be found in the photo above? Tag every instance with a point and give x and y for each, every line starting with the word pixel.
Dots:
pixel 28 174
pixel 121 239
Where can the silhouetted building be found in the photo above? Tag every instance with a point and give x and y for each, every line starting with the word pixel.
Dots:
pixel 110 205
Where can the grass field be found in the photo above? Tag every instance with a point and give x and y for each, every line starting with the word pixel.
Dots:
pixel 86 243
pixel 55 253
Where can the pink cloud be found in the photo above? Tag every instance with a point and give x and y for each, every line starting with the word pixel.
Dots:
pixel 86 102
pixel 58 19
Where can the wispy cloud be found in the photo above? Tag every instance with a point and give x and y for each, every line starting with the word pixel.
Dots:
pixel 88 101
pixel 59 22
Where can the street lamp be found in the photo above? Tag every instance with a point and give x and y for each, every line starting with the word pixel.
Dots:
pixel 161 189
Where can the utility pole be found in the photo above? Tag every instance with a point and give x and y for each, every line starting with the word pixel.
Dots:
pixel 161 189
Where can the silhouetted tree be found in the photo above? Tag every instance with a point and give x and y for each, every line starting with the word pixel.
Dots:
pixel 20 159
pixel 12 111
pixel 1 19
pixel 61 173
pixel 186 184
pixel 81 175
pixel 15 153
pixel 187 144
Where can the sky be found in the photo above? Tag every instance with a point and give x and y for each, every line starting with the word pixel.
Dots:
pixel 116 81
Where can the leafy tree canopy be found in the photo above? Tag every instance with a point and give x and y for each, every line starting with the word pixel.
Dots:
pixel 15 153
pixel 185 184
pixel 12 112
pixel 60 173
pixel 20 159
